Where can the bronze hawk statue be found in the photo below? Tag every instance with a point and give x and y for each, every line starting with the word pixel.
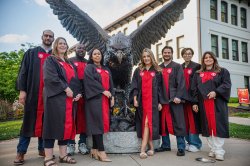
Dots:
pixel 121 52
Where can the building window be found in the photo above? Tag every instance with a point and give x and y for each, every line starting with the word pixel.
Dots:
pixel 214 45
pixel 158 53
pixel 234 14
pixel 180 45
pixel 213 9
pixel 225 48
pixel 243 17
pixel 244 52
pixel 125 31
pixel 139 23
pixel 246 82
pixel 223 11
pixel 169 43
pixel 235 52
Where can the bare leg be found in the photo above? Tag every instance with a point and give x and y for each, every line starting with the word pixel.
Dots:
pixel 62 150
pixel 145 136
pixel 48 153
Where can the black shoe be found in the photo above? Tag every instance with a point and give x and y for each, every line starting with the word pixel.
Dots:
pixel 161 149
pixel 181 152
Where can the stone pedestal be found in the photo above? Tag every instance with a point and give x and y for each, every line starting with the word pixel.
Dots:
pixel 122 142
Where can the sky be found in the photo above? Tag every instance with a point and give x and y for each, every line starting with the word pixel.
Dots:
pixel 23 21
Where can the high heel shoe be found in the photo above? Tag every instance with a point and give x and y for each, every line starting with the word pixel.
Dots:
pixel 103 158
pixel 93 154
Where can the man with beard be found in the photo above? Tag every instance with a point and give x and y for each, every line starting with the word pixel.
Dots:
pixel 80 63
pixel 30 84
pixel 172 114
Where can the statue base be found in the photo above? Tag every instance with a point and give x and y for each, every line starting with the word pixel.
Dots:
pixel 122 142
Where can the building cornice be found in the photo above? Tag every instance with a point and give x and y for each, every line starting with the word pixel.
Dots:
pixel 139 11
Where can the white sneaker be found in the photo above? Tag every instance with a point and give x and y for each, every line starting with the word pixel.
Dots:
pixel 211 154
pixel 193 148
pixel 83 148
pixel 187 147
pixel 219 157
pixel 71 149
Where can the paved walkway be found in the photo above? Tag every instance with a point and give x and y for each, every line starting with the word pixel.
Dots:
pixel 237 154
pixel 238 120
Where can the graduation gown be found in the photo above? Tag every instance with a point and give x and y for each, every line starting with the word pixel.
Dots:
pixel 146 86
pixel 59 115
pixel 80 64
pixel 213 112
pixel 173 85
pixel 191 118
pixel 97 106
pixel 30 80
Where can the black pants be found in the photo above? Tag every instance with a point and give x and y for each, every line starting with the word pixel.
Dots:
pixel 49 143
pixel 98 142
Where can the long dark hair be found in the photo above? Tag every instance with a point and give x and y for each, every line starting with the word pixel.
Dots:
pixel 55 45
pixel 216 68
pixel 90 61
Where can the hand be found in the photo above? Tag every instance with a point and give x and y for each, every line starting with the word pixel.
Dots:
pixel 77 97
pixel 22 97
pixel 107 94
pixel 177 100
pixel 195 108
pixel 136 102
pixel 69 92
pixel 211 95
pixel 159 107
pixel 112 103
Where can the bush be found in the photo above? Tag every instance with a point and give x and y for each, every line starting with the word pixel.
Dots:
pixel 233 100
pixel 9 111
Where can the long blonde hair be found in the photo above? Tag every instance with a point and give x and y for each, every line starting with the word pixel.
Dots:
pixel 216 67
pixel 55 45
pixel 154 63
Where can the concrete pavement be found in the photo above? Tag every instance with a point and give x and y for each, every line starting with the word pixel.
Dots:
pixel 237 154
pixel 238 120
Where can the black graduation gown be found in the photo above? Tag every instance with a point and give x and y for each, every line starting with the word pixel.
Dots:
pixel 58 108
pixel 213 112
pixel 30 80
pixel 80 64
pixel 146 86
pixel 172 115
pixel 191 118
pixel 96 80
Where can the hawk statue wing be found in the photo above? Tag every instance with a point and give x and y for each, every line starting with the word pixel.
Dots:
pixel 154 28
pixel 79 24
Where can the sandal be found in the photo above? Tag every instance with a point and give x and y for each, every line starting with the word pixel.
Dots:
pixel 143 155
pixel 19 159
pixel 49 162
pixel 67 159
pixel 150 152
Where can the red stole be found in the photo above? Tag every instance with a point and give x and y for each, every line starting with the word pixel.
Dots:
pixel 189 118
pixel 105 101
pixel 147 81
pixel 40 107
pixel 69 127
pixel 166 117
pixel 209 104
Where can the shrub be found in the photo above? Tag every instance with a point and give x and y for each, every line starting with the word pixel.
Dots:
pixel 233 100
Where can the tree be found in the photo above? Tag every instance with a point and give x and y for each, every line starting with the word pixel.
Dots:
pixel 9 68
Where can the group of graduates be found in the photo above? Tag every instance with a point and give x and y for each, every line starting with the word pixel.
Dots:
pixel 65 96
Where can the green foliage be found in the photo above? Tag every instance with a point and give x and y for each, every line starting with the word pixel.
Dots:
pixel 10 129
pixel 233 100
pixel 9 67
pixel 241 114
pixel 239 131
